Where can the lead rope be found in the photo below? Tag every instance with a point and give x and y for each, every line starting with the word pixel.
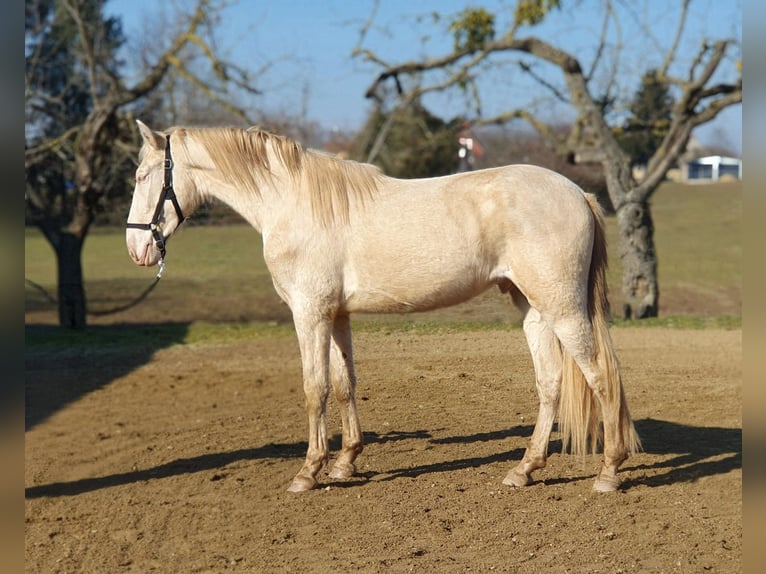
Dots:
pixel 132 303
pixel 53 301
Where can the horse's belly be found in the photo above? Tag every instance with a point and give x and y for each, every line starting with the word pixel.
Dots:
pixel 412 294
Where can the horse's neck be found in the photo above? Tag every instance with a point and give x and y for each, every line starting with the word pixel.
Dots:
pixel 259 207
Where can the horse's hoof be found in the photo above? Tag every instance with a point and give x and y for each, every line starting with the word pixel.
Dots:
pixel 302 484
pixel 606 483
pixel 342 470
pixel 517 479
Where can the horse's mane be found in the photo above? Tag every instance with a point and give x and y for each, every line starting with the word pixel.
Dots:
pixel 330 185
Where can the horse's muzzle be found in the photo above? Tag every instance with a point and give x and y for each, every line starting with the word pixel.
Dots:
pixel 141 248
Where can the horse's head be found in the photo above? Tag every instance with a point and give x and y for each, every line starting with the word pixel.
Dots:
pixel 155 212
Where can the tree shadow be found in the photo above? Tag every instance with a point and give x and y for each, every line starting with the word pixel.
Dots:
pixel 62 365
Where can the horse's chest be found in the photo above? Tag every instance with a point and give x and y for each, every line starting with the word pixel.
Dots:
pixel 303 270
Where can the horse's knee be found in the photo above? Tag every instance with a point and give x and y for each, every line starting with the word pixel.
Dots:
pixel 342 394
pixel 316 396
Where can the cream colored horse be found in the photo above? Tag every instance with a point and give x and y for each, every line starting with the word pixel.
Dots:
pixel 340 237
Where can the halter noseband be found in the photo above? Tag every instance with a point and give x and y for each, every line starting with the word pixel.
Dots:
pixel 167 194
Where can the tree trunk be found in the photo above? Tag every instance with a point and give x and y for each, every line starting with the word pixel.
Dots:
pixel 640 289
pixel 639 260
pixel 71 293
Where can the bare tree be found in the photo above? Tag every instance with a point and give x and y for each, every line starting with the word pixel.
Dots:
pixel 699 98
pixel 80 138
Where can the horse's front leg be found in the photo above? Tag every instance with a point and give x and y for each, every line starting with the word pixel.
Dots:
pixel 314 332
pixel 344 388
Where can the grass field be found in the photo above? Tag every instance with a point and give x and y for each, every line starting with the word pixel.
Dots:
pixel 216 274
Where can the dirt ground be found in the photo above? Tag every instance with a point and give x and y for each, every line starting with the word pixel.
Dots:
pixel 178 459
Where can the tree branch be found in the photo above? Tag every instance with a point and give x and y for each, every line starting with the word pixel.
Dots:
pixel 540 127
pixel 543 82
pixel 87 45
pixel 366 27
pixel 608 13
pixel 208 90
pixel 687 113
pixel 38 153
pixel 412 67
pixel 157 72
pixel 671 55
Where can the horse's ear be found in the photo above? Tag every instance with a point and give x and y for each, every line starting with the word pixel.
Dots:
pixel 154 139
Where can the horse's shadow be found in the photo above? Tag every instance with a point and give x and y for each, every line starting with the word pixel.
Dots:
pixel 698 452
pixel 695 452
pixel 688 453
pixel 201 463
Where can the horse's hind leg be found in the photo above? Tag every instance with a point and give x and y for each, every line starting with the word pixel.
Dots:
pixel 546 357
pixel 344 387
pixel 577 336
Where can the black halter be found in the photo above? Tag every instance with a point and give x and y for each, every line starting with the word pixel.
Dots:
pixel 167 194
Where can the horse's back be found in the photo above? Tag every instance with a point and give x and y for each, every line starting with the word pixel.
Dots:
pixel 492 210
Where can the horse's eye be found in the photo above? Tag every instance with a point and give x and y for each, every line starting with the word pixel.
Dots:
pixel 141 177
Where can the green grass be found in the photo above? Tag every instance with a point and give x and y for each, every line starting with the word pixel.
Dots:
pixel 104 339
pixel 697 234
pixel 204 255
pixel 216 287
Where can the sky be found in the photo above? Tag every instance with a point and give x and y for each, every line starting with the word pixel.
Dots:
pixel 307 45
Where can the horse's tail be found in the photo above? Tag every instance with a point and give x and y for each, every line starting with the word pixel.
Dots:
pixel 578 406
